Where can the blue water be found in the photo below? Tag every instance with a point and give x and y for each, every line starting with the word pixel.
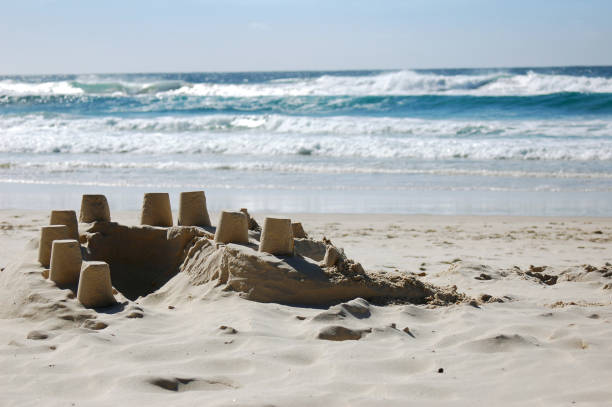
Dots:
pixel 530 141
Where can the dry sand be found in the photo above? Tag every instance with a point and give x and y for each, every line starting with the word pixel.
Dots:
pixel 548 343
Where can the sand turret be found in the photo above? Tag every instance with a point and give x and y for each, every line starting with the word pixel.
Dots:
pixel 67 218
pixel 65 262
pixel 94 208
pixel 47 235
pixel 192 209
pixel 298 231
pixel 156 209
pixel 233 227
pixel 277 237
pixel 95 287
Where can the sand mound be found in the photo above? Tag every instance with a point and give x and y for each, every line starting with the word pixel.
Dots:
pixel 502 343
pixel 300 280
pixel 357 308
pixel 340 333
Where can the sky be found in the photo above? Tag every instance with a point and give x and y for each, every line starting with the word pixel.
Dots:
pixel 86 36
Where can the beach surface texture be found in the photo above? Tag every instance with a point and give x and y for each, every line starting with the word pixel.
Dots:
pixel 518 311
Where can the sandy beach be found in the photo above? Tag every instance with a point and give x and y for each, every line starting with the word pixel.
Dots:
pixel 534 328
pixel 303 204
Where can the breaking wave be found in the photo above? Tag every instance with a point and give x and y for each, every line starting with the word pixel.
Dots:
pixel 405 82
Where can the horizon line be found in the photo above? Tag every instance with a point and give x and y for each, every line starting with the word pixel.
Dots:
pixel 153 72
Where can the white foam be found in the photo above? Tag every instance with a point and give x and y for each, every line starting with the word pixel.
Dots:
pixel 404 82
pixel 408 83
pixel 326 137
pixel 13 88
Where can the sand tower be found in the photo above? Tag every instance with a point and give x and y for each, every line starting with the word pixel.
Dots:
pixel 298 231
pixel 95 288
pixel 65 262
pixel 233 227
pixel 67 218
pixel 192 209
pixel 156 209
pixel 277 237
pixel 47 235
pixel 94 208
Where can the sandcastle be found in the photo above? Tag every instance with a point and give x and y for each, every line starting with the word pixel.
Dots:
pixel 94 208
pixel 67 218
pixel 277 237
pixel 233 227
pixel 65 262
pixel 95 289
pixel 60 248
pixel 192 209
pixel 156 209
pixel 47 235
pixel 276 263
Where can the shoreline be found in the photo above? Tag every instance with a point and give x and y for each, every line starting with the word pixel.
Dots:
pixel 326 201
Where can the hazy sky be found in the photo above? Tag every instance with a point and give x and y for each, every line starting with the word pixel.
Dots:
pixel 77 36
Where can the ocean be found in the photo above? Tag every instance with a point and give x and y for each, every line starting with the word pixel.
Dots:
pixel 515 141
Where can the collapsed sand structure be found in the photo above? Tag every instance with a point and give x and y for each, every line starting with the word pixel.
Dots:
pixel 298 230
pixel 271 266
pixel 253 225
pixel 297 279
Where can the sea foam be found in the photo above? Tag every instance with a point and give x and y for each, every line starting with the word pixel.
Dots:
pixel 405 82
pixel 323 136
pixel 409 83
